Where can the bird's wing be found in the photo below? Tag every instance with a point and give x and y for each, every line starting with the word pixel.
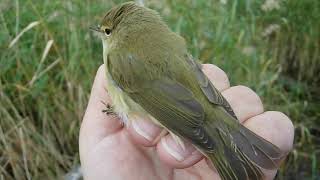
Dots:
pixel 168 101
pixel 175 107
pixel 212 94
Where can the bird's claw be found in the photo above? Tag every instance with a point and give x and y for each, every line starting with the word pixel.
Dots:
pixel 109 109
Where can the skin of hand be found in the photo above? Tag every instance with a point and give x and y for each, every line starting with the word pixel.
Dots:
pixel 108 150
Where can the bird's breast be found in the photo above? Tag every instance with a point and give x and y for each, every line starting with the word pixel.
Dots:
pixel 122 104
pixel 119 102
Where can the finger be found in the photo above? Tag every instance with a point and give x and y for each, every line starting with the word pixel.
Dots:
pixel 96 125
pixel 200 170
pixel 244 102
pixel 143 131
pixel 175 155
pixel 276 128
pixel 217 76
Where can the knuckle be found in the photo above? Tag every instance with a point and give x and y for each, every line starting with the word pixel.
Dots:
pixel 245 94
pixel 223 76
pixel 285 127
pixel 242 88
pixel 101 69
pixel 209 66
pixel 217 76
pixel 282 117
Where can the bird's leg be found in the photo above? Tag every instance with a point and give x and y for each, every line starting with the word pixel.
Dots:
pixel 109 109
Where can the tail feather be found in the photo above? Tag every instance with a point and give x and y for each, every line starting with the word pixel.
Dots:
pixel 239 152
pixel 251 169
pixel 257 149
pixel 234 166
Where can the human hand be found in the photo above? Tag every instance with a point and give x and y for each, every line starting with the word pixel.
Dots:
pixel 110 151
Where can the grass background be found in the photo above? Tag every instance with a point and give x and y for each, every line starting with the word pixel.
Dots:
pixel 272 46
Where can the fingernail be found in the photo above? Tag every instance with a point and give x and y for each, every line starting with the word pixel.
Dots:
pixel 175 149
pixel 145 128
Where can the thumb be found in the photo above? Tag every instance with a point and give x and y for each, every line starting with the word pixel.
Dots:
pixel 96 125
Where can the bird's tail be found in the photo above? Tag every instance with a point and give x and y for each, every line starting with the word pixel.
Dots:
pixel 240 153
pixel 234 166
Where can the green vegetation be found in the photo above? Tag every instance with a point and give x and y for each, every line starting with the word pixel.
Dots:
pixel 46 74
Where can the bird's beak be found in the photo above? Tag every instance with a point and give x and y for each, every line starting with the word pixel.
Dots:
pixel 95 28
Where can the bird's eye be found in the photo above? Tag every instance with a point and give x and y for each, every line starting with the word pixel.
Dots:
pixel 107 31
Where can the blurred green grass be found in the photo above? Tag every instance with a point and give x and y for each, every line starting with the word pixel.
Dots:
pixel 43 94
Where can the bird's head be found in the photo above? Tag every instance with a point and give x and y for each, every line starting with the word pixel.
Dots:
pixel 129 24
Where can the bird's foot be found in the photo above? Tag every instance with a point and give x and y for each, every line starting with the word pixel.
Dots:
pixel 109 109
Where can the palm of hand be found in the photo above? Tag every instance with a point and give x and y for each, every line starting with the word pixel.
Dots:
pixel 110 151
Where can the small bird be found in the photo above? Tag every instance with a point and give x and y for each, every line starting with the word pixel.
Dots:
pixel 150 73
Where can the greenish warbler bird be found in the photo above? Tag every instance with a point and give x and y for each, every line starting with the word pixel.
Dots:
pixel 150 73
